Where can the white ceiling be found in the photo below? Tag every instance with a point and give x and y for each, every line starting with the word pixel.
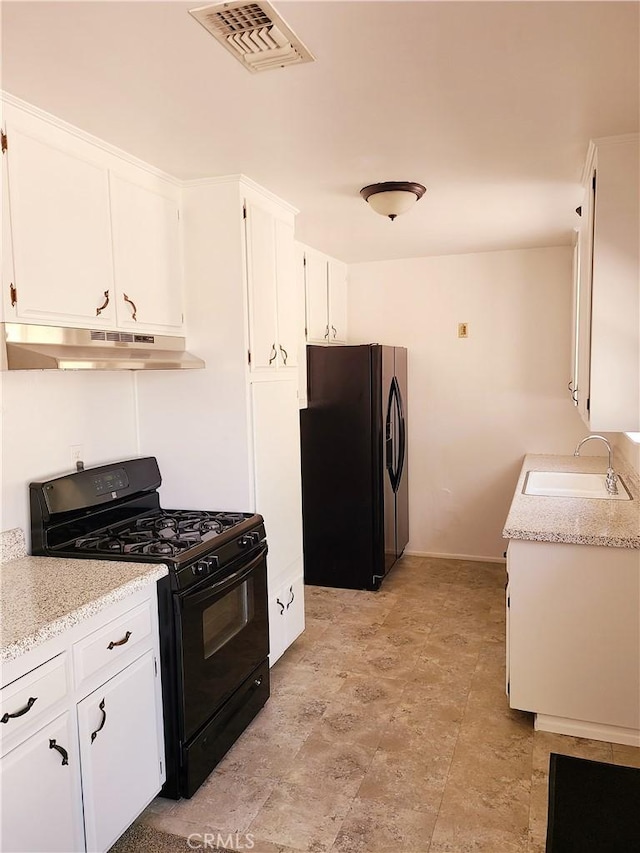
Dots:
pixel 489 104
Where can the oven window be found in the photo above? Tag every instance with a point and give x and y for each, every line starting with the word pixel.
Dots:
pixel 227 617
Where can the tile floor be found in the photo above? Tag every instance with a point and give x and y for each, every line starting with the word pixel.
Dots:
pixel 388 729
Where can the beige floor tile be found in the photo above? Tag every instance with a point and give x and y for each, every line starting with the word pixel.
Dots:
pixel 539 805
pixel 339 764
pixel 629 755
pixel 262 754
pixel 350 722
pixel 411 779
pixel 544 743
pixel 227 801
pixel 454 837
pixel 305 819
pixel 374 828
pixel 322 681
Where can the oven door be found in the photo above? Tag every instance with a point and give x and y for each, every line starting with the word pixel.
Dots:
pixel 222 636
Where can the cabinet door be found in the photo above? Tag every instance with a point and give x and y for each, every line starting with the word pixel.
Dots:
pixel 317 318
pixel 337 290
pixel 277 625
pixel 286 615
pixel 574 380
pixel 583 296
pixel 119 751
pixel 294 608
pixel 60 232
pixel 289 327
pixel 278 494
pixel 262 293
pixel 146 253
pixel 41 797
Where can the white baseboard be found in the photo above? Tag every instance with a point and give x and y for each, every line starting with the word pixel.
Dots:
pixel 472 557
pixel 593 731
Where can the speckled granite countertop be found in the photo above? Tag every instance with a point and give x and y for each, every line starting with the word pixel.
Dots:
pixel 580 521
pixel 44 596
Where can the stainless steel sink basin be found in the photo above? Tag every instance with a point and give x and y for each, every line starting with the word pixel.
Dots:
pixel 570 484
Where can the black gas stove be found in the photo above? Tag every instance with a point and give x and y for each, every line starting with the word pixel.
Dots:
pixel 113 512
pixel 214 630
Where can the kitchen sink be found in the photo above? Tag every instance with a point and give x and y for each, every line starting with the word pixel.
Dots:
pixel 572 484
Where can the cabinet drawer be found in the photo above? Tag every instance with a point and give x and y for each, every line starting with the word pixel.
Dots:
pixel 115 642
pixel 29 699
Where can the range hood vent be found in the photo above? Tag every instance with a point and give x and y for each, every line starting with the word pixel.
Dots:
pixel 28 347
pixel 254 33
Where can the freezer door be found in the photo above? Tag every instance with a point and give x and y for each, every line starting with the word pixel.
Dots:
pixel 341 467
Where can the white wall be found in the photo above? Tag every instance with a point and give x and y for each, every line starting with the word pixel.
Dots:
pixel 477 405
pixel 44 413
pixel 630 450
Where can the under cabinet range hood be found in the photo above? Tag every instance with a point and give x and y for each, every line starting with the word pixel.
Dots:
pixel 31 347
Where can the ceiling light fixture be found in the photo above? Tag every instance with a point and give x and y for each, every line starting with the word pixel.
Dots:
pixel 391 198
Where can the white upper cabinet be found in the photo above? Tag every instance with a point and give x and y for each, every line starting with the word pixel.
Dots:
pixel 607 291
pixel 272 294
pixel 315 278
pixel 60 229
pixel 325 298
pixel 146 256
pixel 93 239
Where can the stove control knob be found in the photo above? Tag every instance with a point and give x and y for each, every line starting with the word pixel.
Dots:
pixel 200 568
pixel 249 539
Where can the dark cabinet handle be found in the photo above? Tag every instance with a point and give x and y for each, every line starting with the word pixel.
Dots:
pixel 335 332
pixel 13 293
pixel 291 600
pixel 94 735
pixel 104 304
pixel 27 707
pixel 280 605
pixel 275 353
pixel 121 642
pixel 133 305
pixel 63 752
pixel 574 396
pixel 285 355
pixel 569 384
pixel 326 334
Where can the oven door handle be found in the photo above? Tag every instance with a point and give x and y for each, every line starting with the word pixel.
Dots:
pixel 232 580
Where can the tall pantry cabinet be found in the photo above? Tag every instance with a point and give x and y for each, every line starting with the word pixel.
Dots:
pixel 227 437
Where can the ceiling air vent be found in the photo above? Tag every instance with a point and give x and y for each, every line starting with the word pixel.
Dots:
pixel 254 33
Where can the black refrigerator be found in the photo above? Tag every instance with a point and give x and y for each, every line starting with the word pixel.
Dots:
pixel 355 499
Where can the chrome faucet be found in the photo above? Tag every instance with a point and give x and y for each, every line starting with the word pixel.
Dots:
pixel 612 480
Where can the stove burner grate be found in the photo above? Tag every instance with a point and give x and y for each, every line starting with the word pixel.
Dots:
pixel 165 533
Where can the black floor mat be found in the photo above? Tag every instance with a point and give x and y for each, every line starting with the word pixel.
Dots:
pixel 593 807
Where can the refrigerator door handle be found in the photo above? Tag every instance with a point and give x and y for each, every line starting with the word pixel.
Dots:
pixel 395 399
pixel 403 435
pixel 388 437
pixel 395 402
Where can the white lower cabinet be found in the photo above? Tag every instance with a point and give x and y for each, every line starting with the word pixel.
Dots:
pixel 113 723
pixel 40 789
pixel 82 747
pixel 286 615
pixel 573 638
